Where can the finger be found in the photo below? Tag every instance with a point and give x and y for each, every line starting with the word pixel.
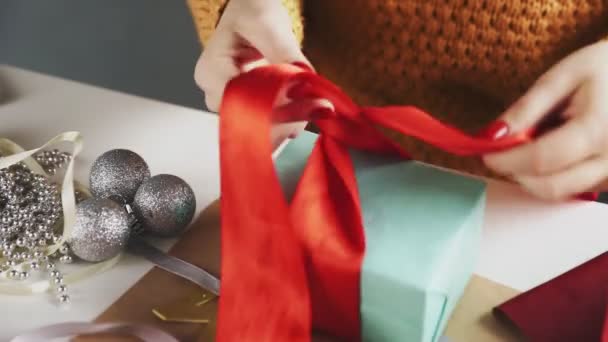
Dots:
pixel 568 183
pixel 247 55
pixel 273 37
pixel 552 152
pixel 214 82
pixel 284 131
pixel 301 110
pixel 545 96
pixel 293 117
pixel 215 68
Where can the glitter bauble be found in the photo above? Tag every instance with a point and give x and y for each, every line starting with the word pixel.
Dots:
pixel 117 174
pixel 164 205
pixel 101 230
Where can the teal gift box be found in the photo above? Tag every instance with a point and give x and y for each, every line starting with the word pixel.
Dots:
pixel 422 232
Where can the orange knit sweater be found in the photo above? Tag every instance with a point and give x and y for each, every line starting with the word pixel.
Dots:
pixel 463 61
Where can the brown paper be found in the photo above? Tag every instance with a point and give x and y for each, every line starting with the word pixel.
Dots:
pixel 471 320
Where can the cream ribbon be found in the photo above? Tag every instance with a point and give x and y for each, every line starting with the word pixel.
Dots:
pixel 15 154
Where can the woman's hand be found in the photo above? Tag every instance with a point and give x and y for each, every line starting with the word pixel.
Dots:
pixel 573 157
pixel 249 34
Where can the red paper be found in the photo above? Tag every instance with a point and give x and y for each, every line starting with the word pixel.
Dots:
pixel 571 307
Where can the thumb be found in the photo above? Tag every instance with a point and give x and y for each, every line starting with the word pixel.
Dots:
pixel 545 97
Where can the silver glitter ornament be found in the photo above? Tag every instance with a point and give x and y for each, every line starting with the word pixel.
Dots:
pixel 118 173
pixel 164 205
pixel 101 230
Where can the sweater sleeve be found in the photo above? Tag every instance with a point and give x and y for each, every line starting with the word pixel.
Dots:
pixel 206 14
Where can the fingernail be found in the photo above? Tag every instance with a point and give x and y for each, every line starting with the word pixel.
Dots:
pixel 303 65
pixel 298 90
pixel 321 113
pixel 496 130
pixel 588 196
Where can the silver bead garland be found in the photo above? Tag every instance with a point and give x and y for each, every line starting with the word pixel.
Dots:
pixel 30 210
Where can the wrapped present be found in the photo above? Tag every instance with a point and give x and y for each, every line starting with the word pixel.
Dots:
pixel 317 260
pixel 422 228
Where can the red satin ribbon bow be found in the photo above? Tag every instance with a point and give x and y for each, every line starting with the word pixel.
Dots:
pixel 288 267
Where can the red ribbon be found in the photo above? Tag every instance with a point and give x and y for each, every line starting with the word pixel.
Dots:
pixel 287 268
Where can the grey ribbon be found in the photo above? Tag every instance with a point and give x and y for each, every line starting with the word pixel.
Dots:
pixel 174 265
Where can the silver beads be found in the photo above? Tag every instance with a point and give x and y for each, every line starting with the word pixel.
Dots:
pixel 65 259
pixel 13 274
pixel 64 299
pixel 54 273
pixel 164 205
pixel 62 292
pixel 117 174
pixel 30 208
pixel 64 249
pixel 101 230
pixel 51 161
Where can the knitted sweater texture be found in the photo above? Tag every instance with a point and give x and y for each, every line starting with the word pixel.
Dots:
pixel 464 61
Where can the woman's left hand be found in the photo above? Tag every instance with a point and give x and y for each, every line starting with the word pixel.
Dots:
pixel 572 158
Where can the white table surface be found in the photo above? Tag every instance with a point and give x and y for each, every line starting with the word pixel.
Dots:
pixel 525 241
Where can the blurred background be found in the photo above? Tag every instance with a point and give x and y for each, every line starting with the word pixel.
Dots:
pixel 142 47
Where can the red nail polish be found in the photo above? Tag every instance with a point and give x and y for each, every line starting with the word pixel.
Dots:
pixel 588 196
pixel 496 130
pixel 321 113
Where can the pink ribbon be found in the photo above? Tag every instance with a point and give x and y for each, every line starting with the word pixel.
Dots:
pixel 71 329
